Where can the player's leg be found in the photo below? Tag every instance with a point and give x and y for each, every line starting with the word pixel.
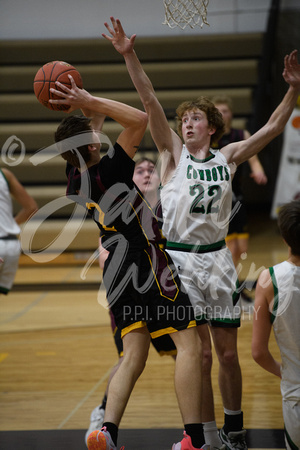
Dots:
pixel 242 244
pixel 208 411
pixel 188 374
pixel 230 383
pixel 173 310
pixel 230 379
pixel 119 346
pixel 188 386
pixel 237 242
pixel 10 252
pixel 136 347
pixel 188 264
pixel 97 415
pixel 207 392
pixel 225 319
pixel 237 226
pixel 224 314
pixel 233 245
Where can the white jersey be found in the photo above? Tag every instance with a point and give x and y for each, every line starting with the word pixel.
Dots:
pixel 8 225
pixel 286 318
pixel 196 202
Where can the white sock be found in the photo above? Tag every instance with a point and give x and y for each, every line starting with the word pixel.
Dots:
pixel 232 413
pixel 211 435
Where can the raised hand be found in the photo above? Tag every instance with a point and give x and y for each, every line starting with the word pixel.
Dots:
pixel 291 72
pixel 74 96
pixel 259 177
pixel 118 37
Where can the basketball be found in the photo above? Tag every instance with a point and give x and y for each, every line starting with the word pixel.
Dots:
pixel 46 77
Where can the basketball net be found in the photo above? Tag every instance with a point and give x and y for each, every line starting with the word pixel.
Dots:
pixel 185 12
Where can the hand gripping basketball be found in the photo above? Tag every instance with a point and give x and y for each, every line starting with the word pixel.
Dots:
pixel 46 78
pixel 72 97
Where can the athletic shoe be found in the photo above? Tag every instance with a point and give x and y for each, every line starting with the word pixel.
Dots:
pixel 101 440
pixel 186 444
pixel 235 440
pixel 96 421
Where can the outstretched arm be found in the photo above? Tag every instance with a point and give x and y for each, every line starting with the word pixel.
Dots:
pixel 17 190
pixel 239 152
pixel 257 170
pixel 131 119
pixel 163 136
pixel 262 325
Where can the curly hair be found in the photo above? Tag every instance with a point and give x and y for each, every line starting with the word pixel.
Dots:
pixel 69 127
pixel 213 115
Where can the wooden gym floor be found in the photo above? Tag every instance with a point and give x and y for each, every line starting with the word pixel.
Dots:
pixel 57 350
